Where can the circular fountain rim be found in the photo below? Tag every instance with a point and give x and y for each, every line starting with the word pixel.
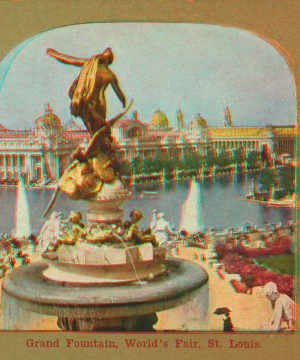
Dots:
pixel 38 294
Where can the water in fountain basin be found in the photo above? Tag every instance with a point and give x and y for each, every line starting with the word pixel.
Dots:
pixel 22 218
pixel 191 218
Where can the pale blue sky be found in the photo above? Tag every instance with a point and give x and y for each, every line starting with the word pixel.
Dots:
pixel 198 68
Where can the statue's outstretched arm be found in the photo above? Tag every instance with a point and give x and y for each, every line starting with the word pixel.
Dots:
pixel 119 92
pixel 66 59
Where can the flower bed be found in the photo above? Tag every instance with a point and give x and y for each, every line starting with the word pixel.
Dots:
pixel 282 245
pixel 238 260
pixel 238 286
pixel 236 264
pixel 221 273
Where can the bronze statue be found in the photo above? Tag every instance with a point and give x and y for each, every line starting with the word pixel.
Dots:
pixel 98 164
pixel 87 92
pixel 87 95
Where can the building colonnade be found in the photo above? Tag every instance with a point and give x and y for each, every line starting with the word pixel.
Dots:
pixel 34 166
pixel 142 149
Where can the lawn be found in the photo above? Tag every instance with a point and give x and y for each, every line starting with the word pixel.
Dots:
pixel 282 264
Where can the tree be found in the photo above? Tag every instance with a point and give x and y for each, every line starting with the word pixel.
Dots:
pixel 167 165
pixel 267 178
pixel 253 158
pixel 125 168
pixel 211 157
pixel 136 165
pixel 239 156
pixel 287 177
pixel 147 166
pixel 192 161
pixel 157 164
pixel 223 159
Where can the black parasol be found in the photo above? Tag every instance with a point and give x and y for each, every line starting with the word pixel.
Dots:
pixel 222 310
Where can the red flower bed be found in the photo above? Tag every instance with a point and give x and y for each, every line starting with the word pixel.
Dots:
pixel 239 287
pixel 221 273
pixel 236 264
pixel 282 245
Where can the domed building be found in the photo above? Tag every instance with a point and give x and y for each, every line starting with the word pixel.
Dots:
pixel 44 152
pixel 198 124
pixel 38 154
pixel 48 125
pixel 159 121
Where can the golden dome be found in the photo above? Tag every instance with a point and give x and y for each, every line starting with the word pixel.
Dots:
pixel 159 120
pixel 48 124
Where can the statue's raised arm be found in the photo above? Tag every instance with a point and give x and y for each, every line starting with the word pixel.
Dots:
pixel 66 59
pixel 115 85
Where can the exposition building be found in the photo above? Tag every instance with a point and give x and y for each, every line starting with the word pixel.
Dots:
pixel 43 152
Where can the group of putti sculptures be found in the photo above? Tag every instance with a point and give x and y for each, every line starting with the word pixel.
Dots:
pixel 74 230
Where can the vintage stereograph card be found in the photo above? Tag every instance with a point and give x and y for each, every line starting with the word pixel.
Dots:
pixel 148 178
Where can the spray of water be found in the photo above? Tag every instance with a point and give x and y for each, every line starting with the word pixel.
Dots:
pixel 22 218
pixel 191 218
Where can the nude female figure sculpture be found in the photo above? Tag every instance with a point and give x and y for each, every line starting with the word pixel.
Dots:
pixel 87 94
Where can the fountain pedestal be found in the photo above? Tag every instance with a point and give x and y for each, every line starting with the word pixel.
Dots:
pixel 93 306
pixel 106 206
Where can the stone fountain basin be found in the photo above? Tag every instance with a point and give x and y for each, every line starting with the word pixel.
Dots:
pixel 178 284
pixel 88 263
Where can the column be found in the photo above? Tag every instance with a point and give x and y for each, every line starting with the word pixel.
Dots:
pixel 4 167
pixel 12 166
pixel 57 167
pixel 136 145
pixel 19 165
pixel 30 167
pixel 42 162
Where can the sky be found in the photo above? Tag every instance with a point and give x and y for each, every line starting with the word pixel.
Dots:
pixel 198 68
